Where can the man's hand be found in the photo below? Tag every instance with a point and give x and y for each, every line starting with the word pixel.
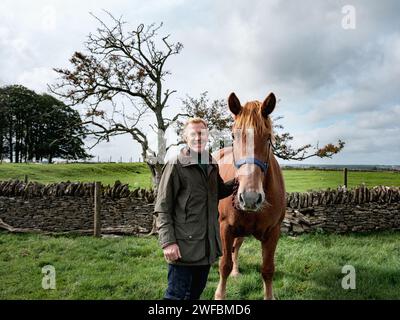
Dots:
pixel 172 253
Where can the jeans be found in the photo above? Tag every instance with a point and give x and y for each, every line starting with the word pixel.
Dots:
pixel 186 282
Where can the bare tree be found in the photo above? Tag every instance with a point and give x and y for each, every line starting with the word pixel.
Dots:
pixel 283 149
pixel 218 118
pixel 122 67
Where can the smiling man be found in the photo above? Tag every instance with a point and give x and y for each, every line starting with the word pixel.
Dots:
pixel 187 208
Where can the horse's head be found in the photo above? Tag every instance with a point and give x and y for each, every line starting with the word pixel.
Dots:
pixel 252 138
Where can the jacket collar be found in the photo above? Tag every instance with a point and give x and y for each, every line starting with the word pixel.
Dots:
pixel 187 158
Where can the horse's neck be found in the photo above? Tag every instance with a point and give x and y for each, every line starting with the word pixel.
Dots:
pixel 222 154
pixel 272 167
pixel 225 162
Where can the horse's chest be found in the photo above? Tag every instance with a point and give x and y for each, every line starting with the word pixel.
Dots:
pixel 245 224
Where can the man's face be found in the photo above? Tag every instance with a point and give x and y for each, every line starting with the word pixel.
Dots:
pixel 196 136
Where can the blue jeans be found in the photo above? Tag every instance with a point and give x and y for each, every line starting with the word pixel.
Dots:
pixel 186 282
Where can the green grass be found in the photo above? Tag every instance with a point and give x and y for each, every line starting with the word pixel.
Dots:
pixel 138 175
pixel 307 267
pixel 304 180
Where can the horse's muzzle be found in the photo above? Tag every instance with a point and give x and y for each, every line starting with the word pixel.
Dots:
pixel 250 201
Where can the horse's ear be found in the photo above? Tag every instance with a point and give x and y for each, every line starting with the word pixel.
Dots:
pixel 268 105
pixel 234 104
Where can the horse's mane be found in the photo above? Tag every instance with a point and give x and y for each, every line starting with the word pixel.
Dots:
pixel 251 117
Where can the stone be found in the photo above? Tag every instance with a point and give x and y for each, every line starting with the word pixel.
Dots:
pixel 297 228
pixel 69 206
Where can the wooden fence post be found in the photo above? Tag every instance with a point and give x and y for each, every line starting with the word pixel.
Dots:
pixel 345 177
pixel 26 178
pixel 97 209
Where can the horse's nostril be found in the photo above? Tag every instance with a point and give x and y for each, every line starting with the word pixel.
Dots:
pixel 250 200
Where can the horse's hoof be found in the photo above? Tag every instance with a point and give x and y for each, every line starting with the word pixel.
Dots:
pixel 235 274
pixel 219 296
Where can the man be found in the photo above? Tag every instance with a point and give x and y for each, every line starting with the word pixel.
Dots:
pixel 187 208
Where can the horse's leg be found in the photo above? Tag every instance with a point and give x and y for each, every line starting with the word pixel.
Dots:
pixel 236 246
pixel 268 265
pixel 225 264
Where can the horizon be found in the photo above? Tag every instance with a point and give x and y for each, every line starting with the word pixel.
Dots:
pixel 94 161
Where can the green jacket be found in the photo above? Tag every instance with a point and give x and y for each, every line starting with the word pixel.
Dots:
pixel 187 209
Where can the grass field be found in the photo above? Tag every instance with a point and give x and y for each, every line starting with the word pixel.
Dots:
pixel 307 267
pixel 304 180
pixel 138 175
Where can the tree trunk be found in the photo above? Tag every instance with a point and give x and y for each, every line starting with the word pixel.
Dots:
pixel 1 146
pixel 10 144
pixel 16 155
pixel 156 171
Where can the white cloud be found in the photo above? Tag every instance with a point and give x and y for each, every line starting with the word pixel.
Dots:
pixel 35 78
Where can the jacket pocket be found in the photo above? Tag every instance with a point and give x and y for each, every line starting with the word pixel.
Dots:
pixel 191 250
pixel 190 231
pixel 191 239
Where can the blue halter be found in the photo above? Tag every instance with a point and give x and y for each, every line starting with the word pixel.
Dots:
pixel 261 164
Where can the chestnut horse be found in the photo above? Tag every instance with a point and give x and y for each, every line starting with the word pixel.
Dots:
pixel 258 204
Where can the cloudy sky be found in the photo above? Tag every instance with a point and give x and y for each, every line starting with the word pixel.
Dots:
pixel 333 81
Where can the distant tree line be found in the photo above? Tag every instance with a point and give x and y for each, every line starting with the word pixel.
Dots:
pixel 35 127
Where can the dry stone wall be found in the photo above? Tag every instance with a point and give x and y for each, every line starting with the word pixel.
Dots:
pixel 62 207
pixel 357 210
pixel 68 206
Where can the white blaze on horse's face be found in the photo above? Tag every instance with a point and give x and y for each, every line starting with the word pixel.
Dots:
pixel 250 194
